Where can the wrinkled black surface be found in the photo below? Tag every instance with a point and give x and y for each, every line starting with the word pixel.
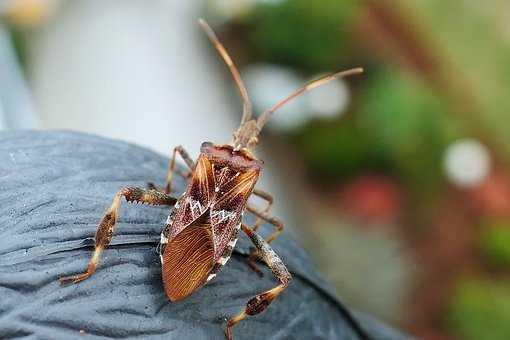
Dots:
pixel 54 186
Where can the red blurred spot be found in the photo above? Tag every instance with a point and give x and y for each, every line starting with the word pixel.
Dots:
pixel 372 198
pixel 493 196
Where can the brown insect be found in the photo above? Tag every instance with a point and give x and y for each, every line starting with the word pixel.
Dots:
pixel 204 225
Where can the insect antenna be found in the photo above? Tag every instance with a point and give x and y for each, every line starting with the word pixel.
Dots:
pixel 247 106
pixel 262 120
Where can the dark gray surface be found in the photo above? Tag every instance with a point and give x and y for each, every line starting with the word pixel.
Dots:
pixel 54 187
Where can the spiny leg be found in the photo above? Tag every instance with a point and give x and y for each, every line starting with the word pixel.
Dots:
pixel 106 227
pixel 171 169
pixel 261 301
pixel 261 217
pixel 252 259
pixel 269 200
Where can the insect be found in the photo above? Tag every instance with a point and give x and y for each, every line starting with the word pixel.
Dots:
pixel 203 227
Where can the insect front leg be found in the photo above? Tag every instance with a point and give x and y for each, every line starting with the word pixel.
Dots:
pixel 171 169
pixel 171 166
pixel 261 301
pixel 106 226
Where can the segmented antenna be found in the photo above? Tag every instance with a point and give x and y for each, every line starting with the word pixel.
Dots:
pixel 261 121
pixel 247 107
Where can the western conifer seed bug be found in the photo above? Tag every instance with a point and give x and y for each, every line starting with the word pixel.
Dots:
pixel 203 227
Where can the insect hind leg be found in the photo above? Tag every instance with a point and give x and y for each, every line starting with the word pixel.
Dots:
pixel 260 302
pixel 106 226
pixel 263 216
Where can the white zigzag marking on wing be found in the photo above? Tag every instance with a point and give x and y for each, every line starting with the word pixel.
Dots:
pixel 195 205
pixel 222 214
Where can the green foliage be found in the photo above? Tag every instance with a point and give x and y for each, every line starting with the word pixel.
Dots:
pixel 401 126
pixel 475 49
pixel 336 150
pixel 480 310
pixel 408 123
pixel 311 35
pixel 20 46
pixel 495 243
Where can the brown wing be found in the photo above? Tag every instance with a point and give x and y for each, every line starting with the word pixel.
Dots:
pixel 197 198
pixel 188 259
pixel 227 208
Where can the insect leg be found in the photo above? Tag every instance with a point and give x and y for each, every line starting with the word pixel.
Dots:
pixel 263 216
pixel 171 166
pixel 269 199
pixel 261 301
pixel 252 259
pixel 106 227
pixel 269 219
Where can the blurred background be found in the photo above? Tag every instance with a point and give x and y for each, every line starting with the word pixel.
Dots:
pixel 396 181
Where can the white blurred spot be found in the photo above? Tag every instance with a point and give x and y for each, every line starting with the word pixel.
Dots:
pixel 329 100
pixel 268 84
pixel 467 163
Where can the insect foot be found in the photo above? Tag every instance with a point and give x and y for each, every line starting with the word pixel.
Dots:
pixel 255 305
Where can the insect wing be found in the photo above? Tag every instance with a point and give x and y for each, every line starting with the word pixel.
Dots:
pixel 227 208
pixel 188 259
pixel 197 198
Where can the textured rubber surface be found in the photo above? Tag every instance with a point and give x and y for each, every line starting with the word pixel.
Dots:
pixel 54 187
